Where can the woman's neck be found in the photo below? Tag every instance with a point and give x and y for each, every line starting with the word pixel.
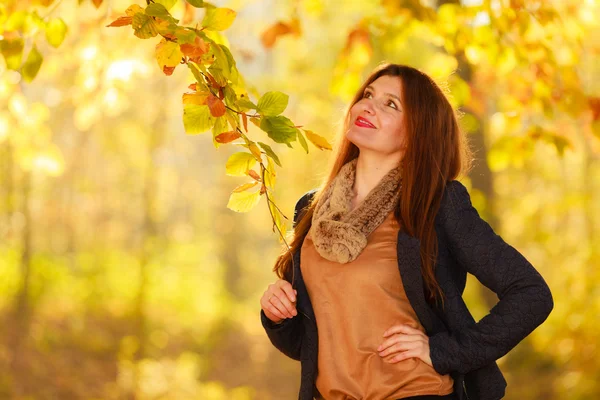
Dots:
pixel 369 172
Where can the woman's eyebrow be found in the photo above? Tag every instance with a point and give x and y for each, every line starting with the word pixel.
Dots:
pixel 389 94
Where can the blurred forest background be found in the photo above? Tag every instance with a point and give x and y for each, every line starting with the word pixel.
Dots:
pixel 123 275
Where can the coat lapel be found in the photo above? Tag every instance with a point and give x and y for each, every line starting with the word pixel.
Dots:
pixel 303 304
pixel 409 264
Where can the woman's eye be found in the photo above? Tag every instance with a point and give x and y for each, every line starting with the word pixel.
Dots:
pixel 365 94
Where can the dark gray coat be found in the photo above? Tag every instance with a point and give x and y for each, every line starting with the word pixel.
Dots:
pixel 466 349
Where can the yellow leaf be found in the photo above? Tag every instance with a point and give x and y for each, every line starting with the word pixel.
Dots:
pixel 243 201
pixel 198 98
pixel 239 163
pixel 56 30
pixel 168 54
pixel 317 140
pixel 270 173
pixel 133 9
pixel 218 19
pixel 256 151
pixel 244 187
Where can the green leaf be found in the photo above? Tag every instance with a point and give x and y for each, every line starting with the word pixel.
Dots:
pixel 144 26
pixel 279 128
pixel 32 64
pixel 218 19
pixel 243 201
pixel 12 50
pixel 168 4
pixel 239 163
pixel 197 119
pixel 185 35
pixel 302 141
pixel 270 152
pixel 245 103
pixel 272 103
pixel 159 11
pixel 56 30
pixel 196 3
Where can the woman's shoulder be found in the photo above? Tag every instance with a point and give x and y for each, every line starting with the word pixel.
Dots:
pixel 455 198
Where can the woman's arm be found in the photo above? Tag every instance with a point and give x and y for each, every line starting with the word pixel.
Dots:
pixel 287 335
pixel 525 298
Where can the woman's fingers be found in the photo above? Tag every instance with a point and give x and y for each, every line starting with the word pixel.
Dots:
pixel 286 295
pixel 279 300
pixel 403 342
pixel 268 305
pixel 288 290
pixel 392 340
pixel 400 344
pixel 283 304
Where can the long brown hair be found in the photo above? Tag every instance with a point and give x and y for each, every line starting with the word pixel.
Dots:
pixel 436 153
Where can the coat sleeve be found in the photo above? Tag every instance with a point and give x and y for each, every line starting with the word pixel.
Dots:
pixel 525 300
pixel 287 336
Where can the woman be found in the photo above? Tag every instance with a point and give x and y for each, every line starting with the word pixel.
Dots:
pixel 385 247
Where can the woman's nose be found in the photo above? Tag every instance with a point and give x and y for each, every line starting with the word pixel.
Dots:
pixel 369 107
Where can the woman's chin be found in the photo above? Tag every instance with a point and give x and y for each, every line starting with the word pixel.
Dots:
pixel 359 136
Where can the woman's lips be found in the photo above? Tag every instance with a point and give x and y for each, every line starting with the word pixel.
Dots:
pixel 360 122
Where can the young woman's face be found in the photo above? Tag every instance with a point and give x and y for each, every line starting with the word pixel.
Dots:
pixel 381 105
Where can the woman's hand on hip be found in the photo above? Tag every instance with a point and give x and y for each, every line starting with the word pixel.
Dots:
pixel 405 342
pixel 279 301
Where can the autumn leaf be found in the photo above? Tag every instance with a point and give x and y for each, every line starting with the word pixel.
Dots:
pixel 97 3
pixel 56 30
pixel 239 164
pixel 254 175
pixel 32 64
pixel 12 50
pixel 594 103
pixel 245 121
pixel 144 26
pixel 195 50
pixel 319 141
pixel 198 98
pixel 121 21
pixel 270 175
pixel 197 119
pixel 243 201
pixel 218 19
pixel 168 54
pixel 278 29
pixel 255 151
pixel 216 105
pixel 133 9
pixel 245 186
pixel 227 137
